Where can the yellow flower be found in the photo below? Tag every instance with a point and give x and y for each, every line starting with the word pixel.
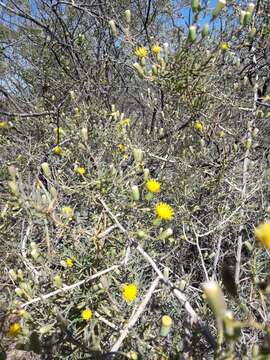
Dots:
pixel 153 186
pixel 122 147
pixel 125 122
pixel 164 211
pixel 67 211
pixel 130 292
pixel 224 46
pixel 198 125
pixel 141 52
pixel 69 262
pixel 262 233
pixel 57 150
pixel 87 314
pixel 79 170
pixel 156 49
pixel 15 329
pixel 4 125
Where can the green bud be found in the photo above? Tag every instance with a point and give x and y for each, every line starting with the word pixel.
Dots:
pixel 57 281
pixel 215 298
pixel 128 16
pixel 13 188
pixel 250 7
pixel 220 5
pixel 146 174
pixel 19 292
pixel 165 234
pixel 195 5
pixel 242 16
pixel 13 274
pixel 138 155
pixel 12 172
pixel 139 69
pixel 141 234
pixel 247 18
pixel 46 169
pixel 84 134
pixel 192 33
pixel 248 143
pixel 135 193
pixel 205 30
pixel 113 27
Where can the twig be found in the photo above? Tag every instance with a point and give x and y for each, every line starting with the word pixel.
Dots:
pixel 70 287
pixel 134 318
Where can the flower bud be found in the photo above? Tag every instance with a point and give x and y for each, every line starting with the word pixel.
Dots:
pixel 248 143
pixel 250 7
pixel 84 134
pixel 19 291
pixel 165 234
pixel 154 70
pixel 192 33
pixel 12 172
pixel 242 16
pixel 57 281
pixel 72 94
pixel 46 169
pixel 146 174
pixel 13 274
pixel 13 188
pixel 220 5
pixel 255 132
pixel 247 18
pixel 205 30
pixel 20 275
pixel 138 155
pixel 166 324
pixel 215 298
pixel 128 16
pixel 53 191
pixel 139 69
pixel 135 193
pixel 35 254
pixel 113 27
pixel 141 234
pixel 195 5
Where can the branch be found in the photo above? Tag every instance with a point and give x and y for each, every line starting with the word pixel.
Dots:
pixel 24 115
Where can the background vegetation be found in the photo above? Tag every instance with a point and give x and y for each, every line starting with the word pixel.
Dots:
pixel 96 98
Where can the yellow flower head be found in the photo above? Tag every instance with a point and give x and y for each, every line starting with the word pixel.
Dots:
pixel 15 329
pixel 125 122
pixel 153 186
pixel 262 234
pixel 79 170
pixel 69 262
pixel 87 314
pixel 198 125
pixel 57 150
pixel 67 211
pixel 224 46
pixel 164 211
pixel 122 147
pixel 156 49
pixel 4 125
pixel 130 292
pixel 141 52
